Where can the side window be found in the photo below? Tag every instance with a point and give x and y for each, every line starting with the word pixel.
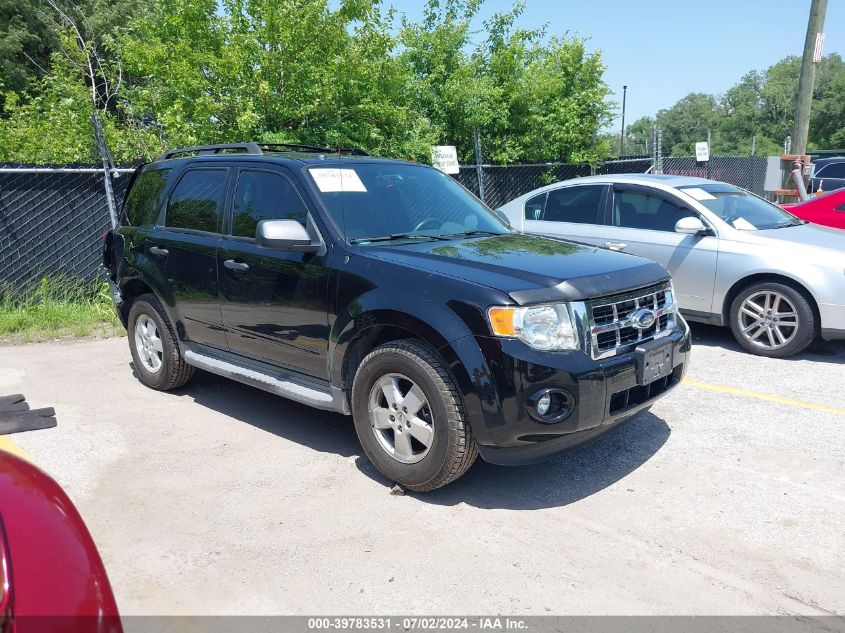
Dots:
pixel 578 204
pixel 197 201
pixel 534 207
pixel 144 199
pixel 833 170
pixel 264 195
pixel 641 210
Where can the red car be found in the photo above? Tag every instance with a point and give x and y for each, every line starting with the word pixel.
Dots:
pixel 52 579
pixel 827 209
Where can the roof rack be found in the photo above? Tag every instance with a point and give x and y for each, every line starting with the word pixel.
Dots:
pixel 258 148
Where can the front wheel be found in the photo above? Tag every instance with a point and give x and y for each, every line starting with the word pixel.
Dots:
pixel 772 319
pixel 410 418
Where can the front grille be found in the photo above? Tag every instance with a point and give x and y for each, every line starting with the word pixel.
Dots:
pixel 612 320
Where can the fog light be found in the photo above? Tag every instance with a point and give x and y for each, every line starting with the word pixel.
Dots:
pixel 550 405
pixel 543 404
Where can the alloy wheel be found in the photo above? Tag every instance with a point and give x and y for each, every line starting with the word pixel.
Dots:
pixel 401 419
pixel 148 343
pixel 768 320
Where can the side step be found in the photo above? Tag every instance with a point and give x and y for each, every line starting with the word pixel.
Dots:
pixel 267 378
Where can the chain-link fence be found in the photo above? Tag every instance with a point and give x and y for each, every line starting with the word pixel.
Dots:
pixel 506 182
pixel 503 183
pixel 748 172
pixel 51 221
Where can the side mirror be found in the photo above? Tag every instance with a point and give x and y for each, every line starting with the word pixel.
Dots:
pixel 284 235
pixel 503 217
pixel 690 226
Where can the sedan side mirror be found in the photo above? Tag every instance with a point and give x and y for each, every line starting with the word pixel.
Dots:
pixel 503 217
pixel 690 226
pixel 284 235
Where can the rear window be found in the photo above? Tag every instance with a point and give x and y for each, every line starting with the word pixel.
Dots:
pixel 144 200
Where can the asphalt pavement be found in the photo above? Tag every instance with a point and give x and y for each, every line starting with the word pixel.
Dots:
pixel 728 497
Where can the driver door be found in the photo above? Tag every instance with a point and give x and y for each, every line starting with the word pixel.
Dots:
pixel 642 223
pixel 274 303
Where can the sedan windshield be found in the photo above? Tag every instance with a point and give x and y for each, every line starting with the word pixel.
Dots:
pixel 379 202
pixel 740 209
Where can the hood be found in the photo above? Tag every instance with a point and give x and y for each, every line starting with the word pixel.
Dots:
pixel 530 268
pixel 821 244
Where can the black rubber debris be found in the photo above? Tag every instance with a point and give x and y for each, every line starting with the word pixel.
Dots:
pixel 15 402
pixel 19 421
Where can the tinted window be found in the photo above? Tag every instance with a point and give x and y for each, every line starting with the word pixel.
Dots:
pixel 641 210
pixel 534 207
pixel 833 170
pixel 382 199
pixel 574 204
pixel 144 200
pixel 196 202
pixel 262 195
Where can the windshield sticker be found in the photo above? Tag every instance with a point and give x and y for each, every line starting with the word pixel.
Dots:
pixel 698 194
pixel 333 180
pixel 743 225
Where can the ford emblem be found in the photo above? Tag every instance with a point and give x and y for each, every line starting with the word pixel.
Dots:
pixel 643 318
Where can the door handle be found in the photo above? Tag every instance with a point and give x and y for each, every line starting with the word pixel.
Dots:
pixel 616 246
pixel 240 267
pixel 159 252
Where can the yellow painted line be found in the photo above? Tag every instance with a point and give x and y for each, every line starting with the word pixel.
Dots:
pixel 10 447
pixel 744 393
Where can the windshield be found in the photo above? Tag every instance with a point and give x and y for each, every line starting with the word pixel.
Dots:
pixel 740 209
pixel 394 201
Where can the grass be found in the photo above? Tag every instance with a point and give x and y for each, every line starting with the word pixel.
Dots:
pixel 57 308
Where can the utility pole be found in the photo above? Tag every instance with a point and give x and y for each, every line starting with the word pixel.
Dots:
pixel 812 55
pixel 622 134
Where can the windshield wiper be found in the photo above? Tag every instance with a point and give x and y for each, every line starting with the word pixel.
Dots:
pixel 474 232
pixel 398 236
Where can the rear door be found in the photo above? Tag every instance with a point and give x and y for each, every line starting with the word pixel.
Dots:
pixel 574 212
pixel 642 222
pixel 185 250
pixel 274 303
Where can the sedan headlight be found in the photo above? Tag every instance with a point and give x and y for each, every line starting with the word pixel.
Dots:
pixel 544 327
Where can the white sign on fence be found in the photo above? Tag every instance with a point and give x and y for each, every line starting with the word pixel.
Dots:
pixel 702 151
pixel 445 158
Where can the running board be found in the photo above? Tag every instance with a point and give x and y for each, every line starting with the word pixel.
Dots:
pixel 267 378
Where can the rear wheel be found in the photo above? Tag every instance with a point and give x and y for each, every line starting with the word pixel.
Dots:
pixel 772 319
pixel 155 351
pixel 410 418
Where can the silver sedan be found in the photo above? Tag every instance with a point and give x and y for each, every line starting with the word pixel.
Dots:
pixel 736 259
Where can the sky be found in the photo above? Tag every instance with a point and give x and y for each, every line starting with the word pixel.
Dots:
pixel 665 49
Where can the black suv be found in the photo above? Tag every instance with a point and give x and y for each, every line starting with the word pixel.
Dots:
pixel 385 290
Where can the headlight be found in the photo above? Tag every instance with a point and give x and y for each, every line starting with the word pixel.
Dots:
pixel 544 327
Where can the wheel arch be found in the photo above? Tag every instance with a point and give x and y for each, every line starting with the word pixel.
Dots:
pixel 133 287
pixel 743 283
pixel 371 329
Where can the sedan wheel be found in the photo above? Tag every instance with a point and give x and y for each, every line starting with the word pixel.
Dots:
pixel 768 320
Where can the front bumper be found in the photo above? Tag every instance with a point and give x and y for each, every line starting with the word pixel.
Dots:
pixel 606 394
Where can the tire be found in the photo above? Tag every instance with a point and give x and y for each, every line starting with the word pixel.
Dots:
pixel 759 321
pixel 441 421
pixel 170 370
